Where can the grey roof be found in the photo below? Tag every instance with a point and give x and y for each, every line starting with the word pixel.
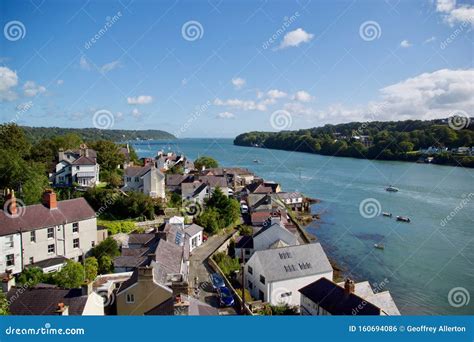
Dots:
pixel 137 171
pixel 193 229
pixel 214 181
pixel 292 261
pixel 140 238
pixel 130 261
pixel 59 260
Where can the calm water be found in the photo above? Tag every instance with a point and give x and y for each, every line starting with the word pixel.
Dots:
pixel 422 260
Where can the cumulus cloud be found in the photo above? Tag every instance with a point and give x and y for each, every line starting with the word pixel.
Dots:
pixel 31 89
pixel 84 64
pixel 295 38
pixel 430 95
pixel 430 40
pixel 245 105
pixel 225 115
pixel 238 82
pixel 454 13
pixel 140 100
pixel 302 96
pixel 8 80
pixel 405 44
pixel 276 94
pixel 136 113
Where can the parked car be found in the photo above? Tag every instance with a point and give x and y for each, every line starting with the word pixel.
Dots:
pixel 225 297
pixel 244 209
pixel 217 281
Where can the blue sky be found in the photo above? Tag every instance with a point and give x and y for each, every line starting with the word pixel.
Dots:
pixel 333 61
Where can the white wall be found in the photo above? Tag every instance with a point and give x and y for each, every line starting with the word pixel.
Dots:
pixel 6 250
pixel 94 305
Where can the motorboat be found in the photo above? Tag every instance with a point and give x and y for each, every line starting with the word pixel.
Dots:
pixel 403 219
pixel 379 246
pixel 391 188
pixel 387 214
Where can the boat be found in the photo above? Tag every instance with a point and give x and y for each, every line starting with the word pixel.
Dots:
pixel 403 219
pixel 256 161
pixel 387 214
pixel 379 246
pixel 391 188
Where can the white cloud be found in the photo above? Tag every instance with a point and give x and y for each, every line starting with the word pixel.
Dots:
pixel 238 82
pixel 226 115
pixel 84 64
pixel 430 40
pixel 59 82
pixel 8 80
pixel 453 13
pixel 245 105
pixel 110 66
pixel 276 94
pixel 295 38
pixel 31 89
pixel 136 113
pixel 405 44
pixel 302 96
pixel 140 100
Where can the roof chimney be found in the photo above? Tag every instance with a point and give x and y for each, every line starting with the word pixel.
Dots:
pixel 145 273
pixel 86 289
pixel 10 201
pixel 349 286
pixel 62 310
pixel 8 281
pixel 49 199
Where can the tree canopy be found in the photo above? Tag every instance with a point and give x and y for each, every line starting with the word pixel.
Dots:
pixel 206 162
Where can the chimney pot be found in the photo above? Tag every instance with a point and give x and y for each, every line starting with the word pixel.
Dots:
pixel 349 286
pixel 49 199
pixel 11 199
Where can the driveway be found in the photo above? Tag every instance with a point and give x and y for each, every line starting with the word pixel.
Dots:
pixel 199 267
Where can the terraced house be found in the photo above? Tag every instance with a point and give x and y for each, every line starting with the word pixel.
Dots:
pixel 46 234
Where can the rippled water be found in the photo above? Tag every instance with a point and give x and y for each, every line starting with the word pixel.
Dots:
pixel 422 260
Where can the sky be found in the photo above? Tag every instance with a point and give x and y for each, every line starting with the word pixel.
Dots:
pixel 220 68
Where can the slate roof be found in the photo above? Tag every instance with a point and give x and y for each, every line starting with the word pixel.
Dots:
pixel 244 241
pixel 130 261
pixel 59 260
pixel 44 300
pixel 38 216
pixel 84 161
pixel 214 181
pixel 176 179
pixel 137 171
pixel 291 262
pixel 140 238
pixel 193 229
pixel 335 300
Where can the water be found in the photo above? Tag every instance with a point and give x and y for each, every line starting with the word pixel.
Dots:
pixel 422 260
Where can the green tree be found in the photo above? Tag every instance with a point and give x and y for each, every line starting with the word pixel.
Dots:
pixel 107 247
pixel 31 276
pixel 67 141
pixel 209 220
pixel 70 276
pixel 4 309
pixel 13 138
pixel 108 154
pixel 106 264
pixel 91 266
pixel 205 161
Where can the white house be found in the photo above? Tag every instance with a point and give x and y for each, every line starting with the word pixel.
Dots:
pixel 51 231
pixel 188 235
pixel 275 275
pixel 147 179
pixel 76 166
pixel 325 297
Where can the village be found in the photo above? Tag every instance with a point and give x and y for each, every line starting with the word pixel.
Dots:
pixel 223 242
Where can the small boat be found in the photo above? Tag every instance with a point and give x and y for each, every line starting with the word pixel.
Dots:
pixel 391 188
pixel 387 214
pixel 379 246
pixel 256 161
pixel 403 219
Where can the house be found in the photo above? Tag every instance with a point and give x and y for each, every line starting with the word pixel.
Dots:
pixel 147 179
pixel 45 299
pixel 275 275
pixel 214 182
pixel 173 182
pixel 324 297
pixel 136 250
pixel 262 187
pixel 195 192
pixel 264 202
pixel 176 230
pixel 236 177
pixel 143 294
pixel 50 230
pixel 294 200
pixel 76 167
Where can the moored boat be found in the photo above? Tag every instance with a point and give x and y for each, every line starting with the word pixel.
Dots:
pixel 403 219
pixel 387 214
pixel 391 188
pixel 379 246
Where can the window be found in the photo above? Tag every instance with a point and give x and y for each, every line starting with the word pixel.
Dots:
pixel 75 227
pixel 50 249
pixel 130 298
pixel 250 270
pixel 137 179
pixel 10 260
pixel 250 285
pixel 75 243
pixel 129 179
pixel 262 279
pixel 92 243
pixel 286 294
pixel 9 242
pixel 33 236
pixel 32 260
pixel 50 233
pixel 78 168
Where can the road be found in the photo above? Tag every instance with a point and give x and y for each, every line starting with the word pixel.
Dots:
pixel 198 267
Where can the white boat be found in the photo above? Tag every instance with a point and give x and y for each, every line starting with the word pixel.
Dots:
pixel 391 188
pixel 387 214
pixel 379 246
